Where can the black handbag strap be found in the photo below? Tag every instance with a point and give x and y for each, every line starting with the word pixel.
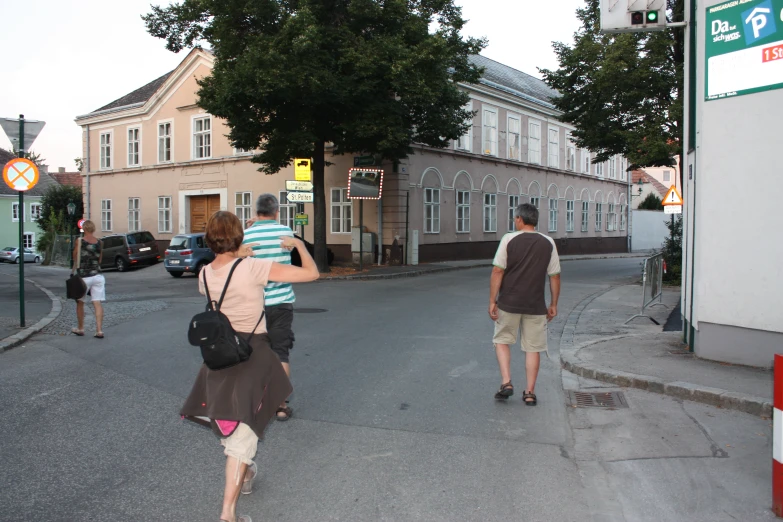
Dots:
pixel 225 287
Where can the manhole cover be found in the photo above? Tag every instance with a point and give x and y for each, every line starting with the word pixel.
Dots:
pixel 597 399
pixel 310 310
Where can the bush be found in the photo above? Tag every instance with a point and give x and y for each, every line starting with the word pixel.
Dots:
pixel 672 252
pixel 651 202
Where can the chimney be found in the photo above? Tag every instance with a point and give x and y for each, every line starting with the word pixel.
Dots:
pixel 45 169
pixel 61 170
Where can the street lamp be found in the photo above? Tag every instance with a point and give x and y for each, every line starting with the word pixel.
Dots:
pixel 71 211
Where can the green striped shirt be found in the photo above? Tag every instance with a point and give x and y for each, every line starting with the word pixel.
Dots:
pixel 266 235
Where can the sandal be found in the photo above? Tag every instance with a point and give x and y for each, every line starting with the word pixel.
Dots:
pixel 78 332
pixel 247 485
pixel 98 335
pixel 529 395
pixel 240 518
pixel 505 391
pixel 286 411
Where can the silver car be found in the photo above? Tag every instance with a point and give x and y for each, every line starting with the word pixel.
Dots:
pixel 11 255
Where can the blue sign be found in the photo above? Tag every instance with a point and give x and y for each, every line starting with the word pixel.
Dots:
pixel 759 22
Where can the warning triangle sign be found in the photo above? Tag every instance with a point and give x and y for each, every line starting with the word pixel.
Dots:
pixel 672 197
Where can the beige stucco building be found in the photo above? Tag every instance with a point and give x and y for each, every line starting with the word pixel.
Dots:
pixel 157 162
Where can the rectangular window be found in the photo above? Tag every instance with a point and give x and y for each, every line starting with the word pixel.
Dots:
pixel 536 202
pixel 463 143
pixel 164 213
pixel 15 212
pixel 553 149
pixel 134 147
pixel 287 211
pixel 490 135
pixel 585 215
pixel 613 167
pixel 534 142
pixel 202 138
pixel 513 203
pixel 623 167
pixel 342 218
pixel 106 215
pixel 666 175
pixel 610 218
pixel 570 216
pixel 585 161
pixel 622 217
pixel 463 211
pixel 514 137
pixel 552 215
pixel 28 239
pixel 35 211
pixel 598 216
pixel 431 211
pixel 599 170
pixel 106 146
pixel 242 207
pixel 490 212
pixel 164 142
pixel 570 154
pixel 134 214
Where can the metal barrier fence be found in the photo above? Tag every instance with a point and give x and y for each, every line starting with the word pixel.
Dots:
pixel 652 286
pixel 61 251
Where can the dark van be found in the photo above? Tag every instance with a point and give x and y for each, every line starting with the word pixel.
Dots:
pixel 123 251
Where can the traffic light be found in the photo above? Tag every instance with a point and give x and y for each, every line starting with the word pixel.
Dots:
pixel 644 17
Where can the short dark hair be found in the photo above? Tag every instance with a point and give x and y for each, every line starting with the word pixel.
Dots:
pixel 528 213
pixel 267 205
pixel 224 232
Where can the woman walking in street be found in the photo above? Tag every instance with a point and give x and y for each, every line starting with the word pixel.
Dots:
pixel 87 256
pixel 241 400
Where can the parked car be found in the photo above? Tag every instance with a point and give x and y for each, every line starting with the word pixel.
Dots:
pixel 187 253
pixel 11 255
pixel 296 260
pixel 123 251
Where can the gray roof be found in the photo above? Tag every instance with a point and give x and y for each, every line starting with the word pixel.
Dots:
pixel 517 83
pixel 140 95
pixel 44 180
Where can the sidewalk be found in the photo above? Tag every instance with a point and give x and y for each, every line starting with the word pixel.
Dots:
pixel 394 272
pixel 41 308
pixel 597 345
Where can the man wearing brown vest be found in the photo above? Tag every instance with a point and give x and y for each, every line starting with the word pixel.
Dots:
pixel 516 298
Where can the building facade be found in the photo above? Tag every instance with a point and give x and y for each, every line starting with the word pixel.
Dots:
pixel 157 162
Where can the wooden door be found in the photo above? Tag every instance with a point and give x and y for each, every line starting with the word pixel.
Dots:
pixel 201 208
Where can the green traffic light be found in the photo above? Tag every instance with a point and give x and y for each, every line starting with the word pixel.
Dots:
pixel 652 16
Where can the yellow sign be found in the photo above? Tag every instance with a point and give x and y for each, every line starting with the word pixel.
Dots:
pixel 672 197
pixel 302 170
pixel 20 174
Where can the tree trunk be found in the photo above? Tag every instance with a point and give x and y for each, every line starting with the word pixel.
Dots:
pixel 319 208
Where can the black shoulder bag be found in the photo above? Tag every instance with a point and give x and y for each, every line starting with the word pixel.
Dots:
pixel 221 346
pixel 75 287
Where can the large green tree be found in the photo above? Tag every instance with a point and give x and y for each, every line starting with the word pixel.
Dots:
pixel 294 76
pixel 623 92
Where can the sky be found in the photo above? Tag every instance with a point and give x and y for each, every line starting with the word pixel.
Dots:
pixel 64 59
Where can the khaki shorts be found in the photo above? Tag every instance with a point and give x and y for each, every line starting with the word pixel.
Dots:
pixel 534 330
pixel 242 444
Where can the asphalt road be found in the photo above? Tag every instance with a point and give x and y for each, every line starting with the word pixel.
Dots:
pixel 393 412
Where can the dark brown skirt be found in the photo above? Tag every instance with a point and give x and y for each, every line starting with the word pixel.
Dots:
pixel 249 392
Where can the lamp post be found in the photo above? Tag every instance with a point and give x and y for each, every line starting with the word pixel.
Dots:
pixel 71 211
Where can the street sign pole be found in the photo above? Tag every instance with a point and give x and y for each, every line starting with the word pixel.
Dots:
pixel 300 210
pixel 361 229
pixel 21 229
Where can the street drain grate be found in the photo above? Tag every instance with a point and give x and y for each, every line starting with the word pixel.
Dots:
pixel 310 310
pixel 597 399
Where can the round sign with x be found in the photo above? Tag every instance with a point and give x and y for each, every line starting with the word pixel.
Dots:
pixel 20 174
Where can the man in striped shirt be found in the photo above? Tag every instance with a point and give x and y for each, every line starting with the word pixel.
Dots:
pixel 265 234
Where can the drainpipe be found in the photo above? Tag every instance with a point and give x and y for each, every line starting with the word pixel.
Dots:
pixel 380 231
pixel 692 147
pixel 87 174
pixel 628 213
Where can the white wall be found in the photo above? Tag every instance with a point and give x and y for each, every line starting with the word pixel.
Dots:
pixel 649 230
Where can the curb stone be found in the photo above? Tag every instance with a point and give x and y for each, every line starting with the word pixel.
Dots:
pixel 20 337
pixel 718 397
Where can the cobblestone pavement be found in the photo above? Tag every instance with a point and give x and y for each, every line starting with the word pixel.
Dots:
pixel 115 312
